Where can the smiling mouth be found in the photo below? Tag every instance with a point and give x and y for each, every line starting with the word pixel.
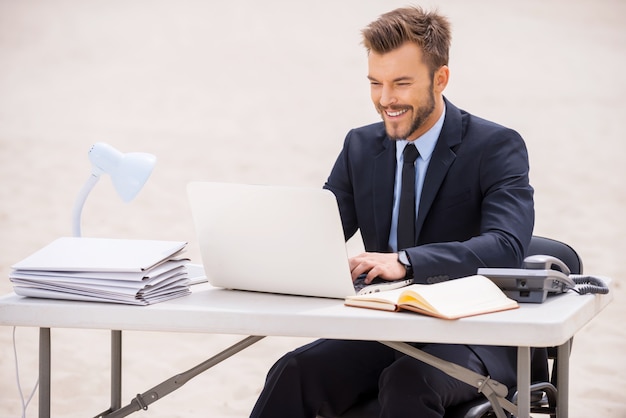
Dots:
pixel 394 114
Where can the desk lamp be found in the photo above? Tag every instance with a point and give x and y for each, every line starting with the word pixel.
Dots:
pixel 128 172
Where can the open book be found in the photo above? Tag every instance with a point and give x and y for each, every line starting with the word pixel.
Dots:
pixel 466 296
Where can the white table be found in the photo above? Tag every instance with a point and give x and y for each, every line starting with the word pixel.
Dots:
pixel 219 311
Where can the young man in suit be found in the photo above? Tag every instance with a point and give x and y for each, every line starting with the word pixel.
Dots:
pixel 473 207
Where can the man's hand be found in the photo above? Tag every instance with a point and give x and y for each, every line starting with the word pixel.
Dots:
pixel 383 265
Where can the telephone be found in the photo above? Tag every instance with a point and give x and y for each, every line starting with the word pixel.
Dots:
pixel 541 275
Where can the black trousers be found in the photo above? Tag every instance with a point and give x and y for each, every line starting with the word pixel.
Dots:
pixel 332 375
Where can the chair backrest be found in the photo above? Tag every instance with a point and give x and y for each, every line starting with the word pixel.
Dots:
pixel 558 249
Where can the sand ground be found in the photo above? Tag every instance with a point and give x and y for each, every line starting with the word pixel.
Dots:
pixel 264 92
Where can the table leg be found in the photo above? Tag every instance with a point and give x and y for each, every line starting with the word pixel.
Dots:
pixel 44 372
pixel 142 401
pixel 116 370
pixel 523 382
pixel 562 371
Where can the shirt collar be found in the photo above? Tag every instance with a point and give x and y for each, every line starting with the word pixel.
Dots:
pixel 425 144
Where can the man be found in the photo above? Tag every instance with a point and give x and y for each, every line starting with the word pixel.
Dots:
pixel 474 209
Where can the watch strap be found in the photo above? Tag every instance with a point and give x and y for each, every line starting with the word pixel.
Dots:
pixel 403 259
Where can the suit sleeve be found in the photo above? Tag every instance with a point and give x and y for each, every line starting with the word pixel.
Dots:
pixel 340 183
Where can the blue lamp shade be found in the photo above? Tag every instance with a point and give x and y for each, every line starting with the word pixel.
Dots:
pixel 129 172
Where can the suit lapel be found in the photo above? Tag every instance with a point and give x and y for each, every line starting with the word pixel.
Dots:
pixel 441 160
pixel 384 178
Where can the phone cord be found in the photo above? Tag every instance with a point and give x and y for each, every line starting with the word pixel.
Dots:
pixel 589 284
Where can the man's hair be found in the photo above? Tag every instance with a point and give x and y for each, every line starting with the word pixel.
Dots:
pixel 429 30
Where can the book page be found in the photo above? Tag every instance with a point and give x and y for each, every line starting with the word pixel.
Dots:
pixel 456 298
pixel 385 300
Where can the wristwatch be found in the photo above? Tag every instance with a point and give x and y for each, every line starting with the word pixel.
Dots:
pixel 403 258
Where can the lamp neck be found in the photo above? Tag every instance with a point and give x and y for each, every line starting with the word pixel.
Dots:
pixel 80 202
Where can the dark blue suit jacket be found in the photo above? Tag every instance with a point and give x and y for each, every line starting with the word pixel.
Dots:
pixel 476 208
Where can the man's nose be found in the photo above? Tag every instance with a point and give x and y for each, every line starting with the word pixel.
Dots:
pixel 387 97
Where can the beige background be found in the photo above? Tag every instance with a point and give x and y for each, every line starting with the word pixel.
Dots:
pixel 265 92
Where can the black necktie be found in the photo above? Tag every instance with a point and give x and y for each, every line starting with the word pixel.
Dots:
pixel 406 213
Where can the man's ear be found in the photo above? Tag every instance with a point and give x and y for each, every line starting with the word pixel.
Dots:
pixel 440 80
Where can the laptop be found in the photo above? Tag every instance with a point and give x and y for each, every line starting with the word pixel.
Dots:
pixel 275 239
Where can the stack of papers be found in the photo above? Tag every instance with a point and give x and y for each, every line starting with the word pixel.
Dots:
pixel 137 272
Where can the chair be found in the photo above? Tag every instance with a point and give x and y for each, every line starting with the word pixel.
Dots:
pixel 543 394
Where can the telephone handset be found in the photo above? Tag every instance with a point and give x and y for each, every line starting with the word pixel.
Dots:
pixel 541 275
pixel 557 281
pixel 547 262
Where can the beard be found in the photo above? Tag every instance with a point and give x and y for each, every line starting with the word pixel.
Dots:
pixel 420 115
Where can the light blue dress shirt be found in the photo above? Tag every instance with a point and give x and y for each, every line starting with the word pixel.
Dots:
pixel 425 145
